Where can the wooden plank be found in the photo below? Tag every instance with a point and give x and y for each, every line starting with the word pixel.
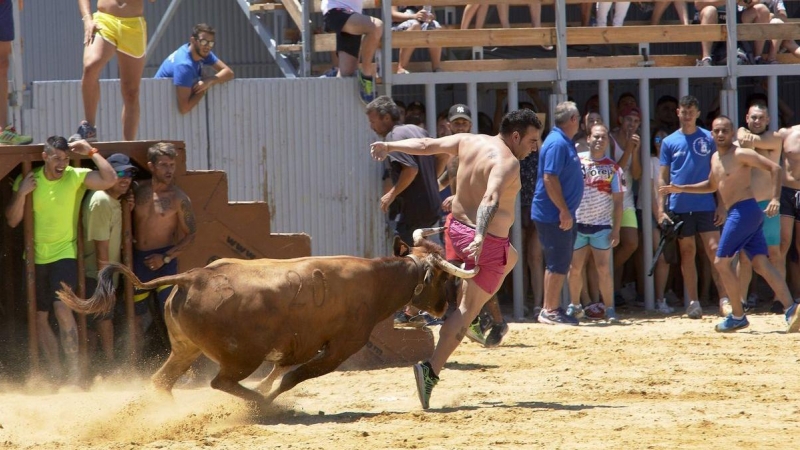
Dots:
pixel 591 62
pixel 265 7
pixel 575 36
pixel 290 48
pixel 470 38
pixel 753 31
pixel 295 10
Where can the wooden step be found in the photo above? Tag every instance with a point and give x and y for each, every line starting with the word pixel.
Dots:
pixel 262 7
pixel 290 48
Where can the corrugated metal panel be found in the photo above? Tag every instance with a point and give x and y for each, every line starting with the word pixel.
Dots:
pixel 52 36
pixel 57 109
pixel 303 146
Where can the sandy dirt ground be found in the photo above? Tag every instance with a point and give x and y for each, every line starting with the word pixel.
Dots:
pixel 649 383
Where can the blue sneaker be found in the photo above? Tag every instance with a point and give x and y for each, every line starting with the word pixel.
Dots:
pixel 557 317
pixel 730 324
pixel 85 131
pixel 426 380
pixel 575 311
pixel 366 88
pixel 611 315
pixel 793 318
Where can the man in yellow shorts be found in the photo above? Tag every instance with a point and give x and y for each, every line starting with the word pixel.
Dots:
pixel 122 32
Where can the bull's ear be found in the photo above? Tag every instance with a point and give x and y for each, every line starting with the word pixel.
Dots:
pixel 400 247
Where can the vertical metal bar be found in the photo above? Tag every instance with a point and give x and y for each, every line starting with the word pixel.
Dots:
pixel 605 103
pixel 18 84
pixel 646 198
pixel 772 99
pixel 516 228
pixel 560 87
pixel 683 87
pixel 430 108
pixel 307 36
pixel 386 60
pixel 161 28
pixel 729 89
pixel 30 278
pixel 472 103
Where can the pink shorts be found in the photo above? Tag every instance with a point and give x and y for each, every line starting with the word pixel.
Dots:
pixel 449 251
pixel 493 259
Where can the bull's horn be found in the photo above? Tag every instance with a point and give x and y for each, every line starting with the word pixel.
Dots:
pixel 420 233
pixel 453 269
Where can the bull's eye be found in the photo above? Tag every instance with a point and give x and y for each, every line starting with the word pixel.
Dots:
pixel 428 276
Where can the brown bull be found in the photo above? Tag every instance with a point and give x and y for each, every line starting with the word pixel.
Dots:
pixel 305 315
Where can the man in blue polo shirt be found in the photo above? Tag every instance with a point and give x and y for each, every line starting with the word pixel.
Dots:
pixel 185 67
pixel 559 190
pixel 686 159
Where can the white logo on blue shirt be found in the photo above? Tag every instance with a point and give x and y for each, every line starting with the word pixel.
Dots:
pixel 701 146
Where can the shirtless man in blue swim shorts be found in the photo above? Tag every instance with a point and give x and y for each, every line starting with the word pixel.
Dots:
pixel 730 175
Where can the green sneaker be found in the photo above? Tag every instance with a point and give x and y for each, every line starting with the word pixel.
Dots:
pixel 9 136
pixel 426 380
pixel 475 332
pixel 366 88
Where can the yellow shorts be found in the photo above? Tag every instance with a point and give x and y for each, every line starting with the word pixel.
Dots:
pixel 629 218
pixel 128 34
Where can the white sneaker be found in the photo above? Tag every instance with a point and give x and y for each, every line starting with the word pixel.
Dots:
pixel 694 310
pixel 725 307
pixel 663 307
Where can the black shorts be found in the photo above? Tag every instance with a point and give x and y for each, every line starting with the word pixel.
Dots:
pixel 695 222
pixel 790 202
pixel 6 21
pixel 48 280
pixel 334 22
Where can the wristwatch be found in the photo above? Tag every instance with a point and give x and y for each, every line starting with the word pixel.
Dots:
pixel 167 259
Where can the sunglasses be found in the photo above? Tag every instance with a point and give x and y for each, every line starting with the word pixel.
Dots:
pixel 657 140
pixel 206 43
pixel 127 173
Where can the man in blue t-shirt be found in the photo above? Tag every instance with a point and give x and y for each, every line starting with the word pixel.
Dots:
pixel 686 159
pixel 559 190
pixel 185 67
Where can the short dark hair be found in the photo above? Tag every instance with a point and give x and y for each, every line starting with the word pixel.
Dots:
pixel 687 101
pixel 384 105
pixel 203 28
pixel 161 149
pixel 519 121
pixel 54 143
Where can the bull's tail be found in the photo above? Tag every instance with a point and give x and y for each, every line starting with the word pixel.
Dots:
pixel 104 297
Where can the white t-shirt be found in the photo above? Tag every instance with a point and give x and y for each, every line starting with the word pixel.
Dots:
pixel 627 202
pixel 655 172
pixel 355 5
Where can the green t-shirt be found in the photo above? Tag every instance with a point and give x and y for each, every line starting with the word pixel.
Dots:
pixel 102 221
pixel 55 214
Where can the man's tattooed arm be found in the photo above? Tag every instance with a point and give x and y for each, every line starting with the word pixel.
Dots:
pixel 485 215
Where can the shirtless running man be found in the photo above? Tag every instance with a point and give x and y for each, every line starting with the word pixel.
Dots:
pixel 483 211
pixel 162 212
pixel 730 175
pixel 756 136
